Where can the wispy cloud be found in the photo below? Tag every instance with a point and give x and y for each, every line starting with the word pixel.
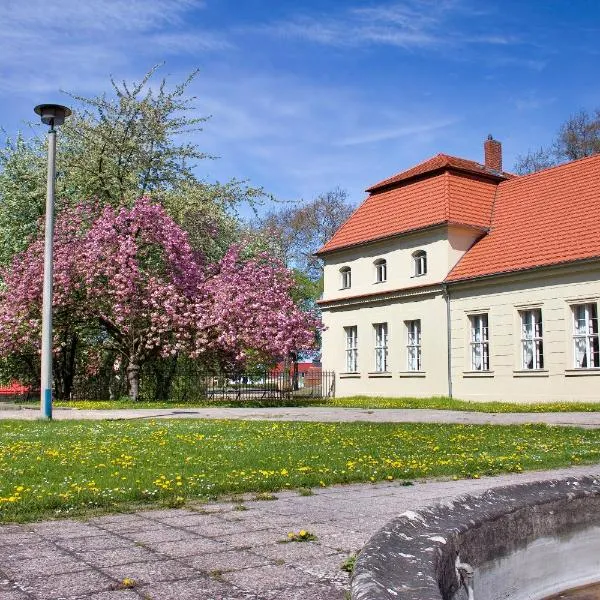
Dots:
pixel 93 15
pixel 47 46
pixel 392 133
pixel 413 24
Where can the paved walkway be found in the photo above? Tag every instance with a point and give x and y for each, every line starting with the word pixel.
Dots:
pixel 382 415
pixel 219 551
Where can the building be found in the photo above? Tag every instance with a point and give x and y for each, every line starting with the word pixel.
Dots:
pixel 456 278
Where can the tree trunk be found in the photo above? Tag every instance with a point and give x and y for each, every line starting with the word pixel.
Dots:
pixel 133 379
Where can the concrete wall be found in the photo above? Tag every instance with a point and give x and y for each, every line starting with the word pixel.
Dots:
pixel 519 542
pixel 554 292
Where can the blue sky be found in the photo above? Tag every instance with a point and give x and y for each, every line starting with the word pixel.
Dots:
pixel 306 96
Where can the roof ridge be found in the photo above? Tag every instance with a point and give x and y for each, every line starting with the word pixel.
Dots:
pixel 595 156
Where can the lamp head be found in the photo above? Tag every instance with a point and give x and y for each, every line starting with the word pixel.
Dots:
pixel 52 114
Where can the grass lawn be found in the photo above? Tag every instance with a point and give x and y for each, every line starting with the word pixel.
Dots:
pixel 438 403
pixel 60 468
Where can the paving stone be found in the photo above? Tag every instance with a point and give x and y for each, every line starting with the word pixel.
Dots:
pixel 67 585
pixel 294 551
pixel 151 572
pixel 268 578
pixel 114 595
pixel 346 541
pixel 231 560
pixel 12 528
pixel 13 594
pixel 168 513
pixel 160 534
pixel 100 542
pixel 194 589
pixel 222 527
pixel 121 523
pixel 47 565
pixel 23 538
pixel 312 592
pixel 57 530
pixel 253 539
pixel 190 548
pixel 116 556
pixel 26 551
pixel 190 520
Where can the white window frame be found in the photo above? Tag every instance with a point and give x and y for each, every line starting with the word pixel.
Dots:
pixel 585 336
pixel 413 345
pixel 346 278
pixel 380 270
pixel 381 347
pixel 351 334
pixel 532 339
pixel 420 263
pixel 480 342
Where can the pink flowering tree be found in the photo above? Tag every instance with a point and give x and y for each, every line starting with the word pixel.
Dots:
pixel 140 276
pixel 133 279
pixel 246 306
pixel 21 303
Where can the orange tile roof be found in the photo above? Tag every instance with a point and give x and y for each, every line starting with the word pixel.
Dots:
pixel 440 162
pixel 439 193
pixel 546 218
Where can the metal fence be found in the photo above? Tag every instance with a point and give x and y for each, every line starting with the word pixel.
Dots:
pixel 187 383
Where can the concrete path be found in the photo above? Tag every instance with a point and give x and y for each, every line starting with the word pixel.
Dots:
pixel 382 415
pixel 219 551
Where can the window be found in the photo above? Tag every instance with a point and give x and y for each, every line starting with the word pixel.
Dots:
pixel 480 344
pixel 380 270
pixel 346 277
pixel 420 258
pixel 585 336
pixel 532 344
pixel 381 347
pixel 413 345
pixel 351 349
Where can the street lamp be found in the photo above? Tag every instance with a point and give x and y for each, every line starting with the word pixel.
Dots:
pixel 52 115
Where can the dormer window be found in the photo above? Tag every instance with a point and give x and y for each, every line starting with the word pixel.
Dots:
pixel 345 277
pixel 420 260
pixel 380 270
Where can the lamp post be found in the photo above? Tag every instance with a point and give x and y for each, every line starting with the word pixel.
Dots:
pixel 52 115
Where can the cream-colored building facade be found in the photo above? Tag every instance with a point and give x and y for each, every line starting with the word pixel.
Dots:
pixel 456 309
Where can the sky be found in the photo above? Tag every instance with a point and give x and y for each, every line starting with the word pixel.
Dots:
pixel 306 96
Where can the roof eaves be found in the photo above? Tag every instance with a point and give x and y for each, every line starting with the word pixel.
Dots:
pixel 543 266
pixel 429 287
pixel 382 238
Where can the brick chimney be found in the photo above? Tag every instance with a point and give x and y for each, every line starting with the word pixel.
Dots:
pixel 493 154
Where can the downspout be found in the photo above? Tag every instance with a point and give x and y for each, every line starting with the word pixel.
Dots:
pixel 448 337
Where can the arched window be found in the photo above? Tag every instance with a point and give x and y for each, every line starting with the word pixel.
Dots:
pixel 420 259
pixel 380 270
pixel 345 277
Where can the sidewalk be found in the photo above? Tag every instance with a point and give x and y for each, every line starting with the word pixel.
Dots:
pixel 380 415
pixel 219 551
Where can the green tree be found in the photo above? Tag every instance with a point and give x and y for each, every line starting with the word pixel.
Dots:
pixel 116 148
